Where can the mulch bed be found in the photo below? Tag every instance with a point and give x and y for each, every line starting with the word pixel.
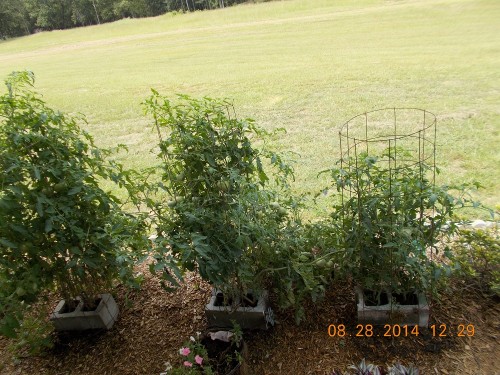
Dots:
pixel 153 325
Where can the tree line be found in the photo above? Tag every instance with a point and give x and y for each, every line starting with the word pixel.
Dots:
pixel 23 17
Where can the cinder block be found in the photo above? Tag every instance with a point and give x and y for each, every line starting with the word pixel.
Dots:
pixel 103 317
pixel 247 317
pixel 392 313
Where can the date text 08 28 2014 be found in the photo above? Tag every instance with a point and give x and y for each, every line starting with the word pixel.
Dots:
pixel 396 330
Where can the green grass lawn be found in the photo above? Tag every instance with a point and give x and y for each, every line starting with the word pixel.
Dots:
pixel 305 65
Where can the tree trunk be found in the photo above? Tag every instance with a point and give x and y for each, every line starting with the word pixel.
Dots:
pixel 96 13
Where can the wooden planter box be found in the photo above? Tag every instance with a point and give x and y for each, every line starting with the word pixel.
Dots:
pixel 387 312
pixel 248 317
pixel 103 317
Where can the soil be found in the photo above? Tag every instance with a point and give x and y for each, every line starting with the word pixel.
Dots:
pixel 153 325
pixel 91 306
pixel 69 307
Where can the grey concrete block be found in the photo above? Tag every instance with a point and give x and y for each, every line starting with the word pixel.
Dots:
pixel 103 317
pixel 247 317
pixel 391 313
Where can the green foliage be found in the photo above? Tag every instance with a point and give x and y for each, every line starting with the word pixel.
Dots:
pixel 59 230
pixel 194 360
pixel 221 217
pixel 217 209
pixel 33 335
pixel 237 334
pixel 303 265
pixel 391 220
pixel 13 19
pixel 477 257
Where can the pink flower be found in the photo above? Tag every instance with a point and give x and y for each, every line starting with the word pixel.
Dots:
pixel 188 364
pixel 185 351
pixel 198 359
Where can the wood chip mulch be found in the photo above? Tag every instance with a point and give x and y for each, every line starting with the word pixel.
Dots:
pixel 153 325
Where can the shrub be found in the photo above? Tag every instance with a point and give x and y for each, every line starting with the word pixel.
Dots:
pixel 477 258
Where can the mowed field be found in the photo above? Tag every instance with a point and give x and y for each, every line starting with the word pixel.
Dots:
pixel 304 65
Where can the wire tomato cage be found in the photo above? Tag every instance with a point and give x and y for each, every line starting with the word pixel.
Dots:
pixel 400 145
pixel 387 131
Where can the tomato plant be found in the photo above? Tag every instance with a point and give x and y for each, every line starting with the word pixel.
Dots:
pixel 59 229
pixel 221 205
pixel 393 221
